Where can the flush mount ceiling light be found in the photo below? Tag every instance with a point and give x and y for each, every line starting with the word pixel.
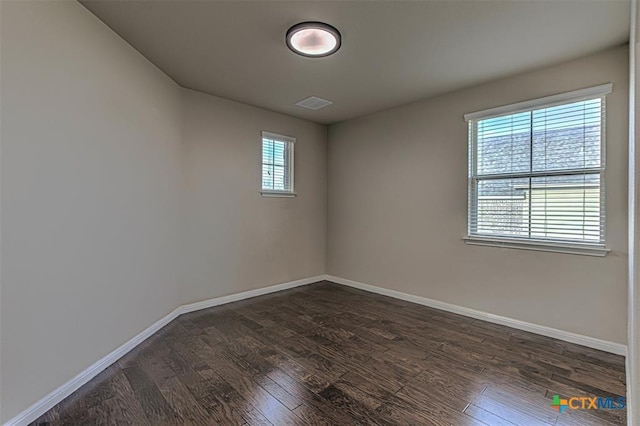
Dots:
pixel 313 39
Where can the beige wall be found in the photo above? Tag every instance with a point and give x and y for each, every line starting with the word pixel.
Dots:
pixel 237 239
pixel 103 230
pixel 124 196
pixel 90 194
pixel 398 198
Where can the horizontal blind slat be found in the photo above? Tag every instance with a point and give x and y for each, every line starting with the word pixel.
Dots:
pixel 538 174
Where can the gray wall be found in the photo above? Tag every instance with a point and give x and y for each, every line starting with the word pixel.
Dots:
pixel 237 239
pixel 125 196
pixel 91 160
pixel 398 205
pixel 104 232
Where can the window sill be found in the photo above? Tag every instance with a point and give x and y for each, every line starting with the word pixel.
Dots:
pixel 281 194
pixel 566 248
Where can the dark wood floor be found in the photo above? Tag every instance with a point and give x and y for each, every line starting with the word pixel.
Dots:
pixel 328 354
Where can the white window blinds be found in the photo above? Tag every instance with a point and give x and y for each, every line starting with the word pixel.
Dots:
pixel 537 173
pixel 277 163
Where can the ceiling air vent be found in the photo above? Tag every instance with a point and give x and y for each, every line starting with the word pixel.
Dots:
pixel 314 103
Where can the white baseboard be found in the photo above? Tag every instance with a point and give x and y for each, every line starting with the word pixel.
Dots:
pixel 50 400
pixel 248 294
pixel 591 342
pixel 43 405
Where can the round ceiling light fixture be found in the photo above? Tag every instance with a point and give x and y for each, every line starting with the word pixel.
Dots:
pixel 313 39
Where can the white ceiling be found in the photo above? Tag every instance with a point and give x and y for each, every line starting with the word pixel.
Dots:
pixel 393 52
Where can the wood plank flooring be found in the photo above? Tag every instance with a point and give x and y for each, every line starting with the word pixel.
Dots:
pixel 326 354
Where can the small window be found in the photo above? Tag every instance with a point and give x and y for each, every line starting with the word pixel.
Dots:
pixel 277 165
pixel 536 173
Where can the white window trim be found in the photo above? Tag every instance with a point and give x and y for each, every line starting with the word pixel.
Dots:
pixel 538 245
pixel 276 194
pixel 547 101
pixel 586 249
pixel 280 138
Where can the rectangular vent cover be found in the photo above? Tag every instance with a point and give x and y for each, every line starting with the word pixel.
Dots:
pixel 314 103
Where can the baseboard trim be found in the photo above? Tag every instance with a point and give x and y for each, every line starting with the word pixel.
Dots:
pixel 248 294
pixel 51 399
pixel 591 342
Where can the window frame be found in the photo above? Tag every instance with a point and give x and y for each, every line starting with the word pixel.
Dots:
pixel 569 247
pixel 289 165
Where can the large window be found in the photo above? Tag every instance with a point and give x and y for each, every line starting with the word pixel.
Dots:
pixel 277 164
pixel 536 173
